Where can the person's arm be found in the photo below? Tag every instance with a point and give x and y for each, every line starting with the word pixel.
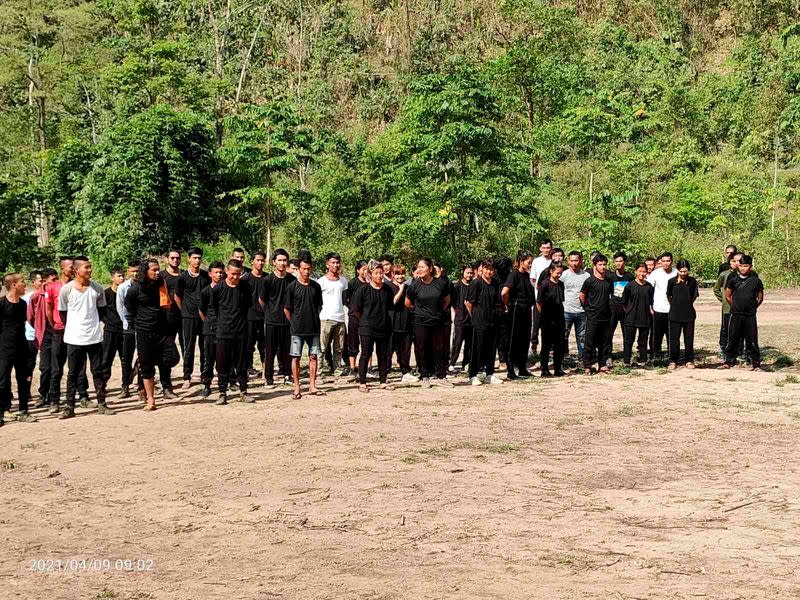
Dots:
pixel 695 292
pixel 410 298
pixel 582 298
pixel 505 294
pixel 102 304
pixel 48 311
pixel 670 287
pixel 469 306
pixel 729 296
pixel 446 302
pixel 399 293
pixel 718 287
pixel 760 295
pixel 179 289
pixel 202 310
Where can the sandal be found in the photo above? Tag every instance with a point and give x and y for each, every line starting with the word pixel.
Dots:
pixel 149 407
pixel 317 393
pixel 296 395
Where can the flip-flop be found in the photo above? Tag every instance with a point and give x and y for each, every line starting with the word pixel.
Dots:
pixel 317 393
pixel 296 395
pixel 149 407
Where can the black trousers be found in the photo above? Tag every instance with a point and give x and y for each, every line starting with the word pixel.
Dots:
pixel 113 342
pixel 76 365
pixel 255 341
pixel 553 338
pixel 352 340
pixel 448 334
pixel 45 357
pixel 629 336
pixel 380 344
pixel 660 330
pixel 520 320
pixel 535 318
pixel 175 329
pixel 15 356
pixel 596 343
pixel 400 344
pixel 617 314
pixel 484 349
pixel 743 329
pixel 277 340
pixel 503 338
pixel 462 335
pixel 58 358
pixel 156 350
pixel 724 336
pixel 675 330
pixel 192 336
pixel 232 362
pixel 210 347
pixel 126 357
pixel 32 354
pixel 429 350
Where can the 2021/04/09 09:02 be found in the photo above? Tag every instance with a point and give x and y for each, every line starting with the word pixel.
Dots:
pixel 78 565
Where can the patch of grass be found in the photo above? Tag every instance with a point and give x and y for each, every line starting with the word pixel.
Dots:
pixel 8 465
pixel 626 410
pixel 29 446
pixel 711 401
pixel 437 451
pixel 662 371
pixel 621 370
pixel 731 379
pixel 106 593
pixel 788 380
pixel 795 415
pixel 497 448
pixel 779 359
pixel 445 450
pixel 410 459
pixel 565 422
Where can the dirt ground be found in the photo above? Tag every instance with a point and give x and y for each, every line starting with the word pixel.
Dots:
pixel 651 484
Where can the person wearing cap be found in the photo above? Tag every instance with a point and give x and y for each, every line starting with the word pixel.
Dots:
pixel 745 293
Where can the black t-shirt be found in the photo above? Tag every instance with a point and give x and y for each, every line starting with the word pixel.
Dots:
pixel 274 295
pixel 448 314
pixel 373 306
pixel 256 283
pixel 172 285
pixel 745 293
pixel 551 297
pixel 637 301
pixel 723 267
pixel 427 299
pixel 352 287
pixel 458 294
pixel 210 324
pixel 144 307
pixel 598 298
pixel 305 303
pixel 520 288
pixel 111 319
pixel 231 305
pixel 483 297
pixel 682 297
pixel 619 283
pixel 188 289
pixel 12 324
pixel 402 318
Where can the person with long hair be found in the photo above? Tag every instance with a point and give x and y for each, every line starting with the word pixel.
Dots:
pixel 429 297
pixel 14 348
pixel 148 304
pixel 402 324
pixel 682 291
pixel 462 323
pixel 519 295
pixel 353 338
pixel 550 306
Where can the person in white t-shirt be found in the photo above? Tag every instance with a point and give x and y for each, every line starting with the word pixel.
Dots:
pixel 332 330
pixel 540 264
pixel 80 303
pixel 659 279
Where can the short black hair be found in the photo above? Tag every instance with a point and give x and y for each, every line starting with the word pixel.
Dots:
pixel 63 258
pixel 387 258
pixel 135 262
pixel 295 262
pixel 488 262
pixel 621 255
pixel 331 255
pixel 237 249
pixel 304 256
pixel 640 265
pixel 80 259
pixel 48 272
pixel 682 263
pixel 193 251
pixel 280 252
pixel 746 260
pixel 235 262
pixel 599 258
pixel 260 253
pixel 557 250
pixel 666 254
pixel 117 271
pixel 649 259
pixel 217 264
pixel 576 253
pixel 546 241
pixel 34 273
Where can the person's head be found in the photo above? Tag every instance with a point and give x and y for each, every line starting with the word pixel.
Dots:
pixel 730 250
pixel 65 263
pixel 438 269
pixel 82 268
pixel 666 261
pixel 467 273
pixel 557 255
pixel 398 273
pixel 259 259
pixel 745 264
pixel 195 257
pixel 388 261
pixel 173 259
pixel 238 254
pixel 293 267
pixel 48 276
pixel 148 272
pixel 683 268
pixel 523 261
pixel 333 263
pixel 556 269
pixel 305 266
pixel 641 272
pixel 575 259
pixel 133 267
pixel 375 272
pixel 650 264
pixel 733 262
pixel 216 270
pixel 600 263
pixel 280 260
pixel 619 261
pixel 36 279
pixel 487 269
pixel 15 282
pixel 233 272
pixel 361 269
pixel 546 248
pixel 117 276
pixel 424 268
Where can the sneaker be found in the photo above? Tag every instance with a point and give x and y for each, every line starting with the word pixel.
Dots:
pixel 512 376
pixel 481 376
pixel 84 401
pixel 524 374
pixel 126 392
pixel 102 409
pixel 169 395
pixel 246 398
pixel 451 369
pixel 252 373
pixel 222 400
pixel 475 381
pixel 546 373
pixel 442 382
pixel 25 417
pixel 206 393
pixel 234 387
pixel 495 380
pixel 67 413
pixel 559 373
pixel 690 365
pixel 409 378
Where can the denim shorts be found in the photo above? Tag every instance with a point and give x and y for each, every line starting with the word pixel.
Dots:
pixel 312 341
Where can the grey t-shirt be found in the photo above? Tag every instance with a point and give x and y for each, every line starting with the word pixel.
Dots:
pixel 573 282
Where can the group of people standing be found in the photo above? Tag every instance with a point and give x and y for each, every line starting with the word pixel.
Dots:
pixel 227 313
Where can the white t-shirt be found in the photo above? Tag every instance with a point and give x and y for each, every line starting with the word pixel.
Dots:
pixel 573 282
pixel 332 298
pixel 540 264
pixel 659 279
pixel 83 318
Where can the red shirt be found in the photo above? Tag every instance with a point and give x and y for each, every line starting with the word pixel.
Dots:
pixel 51 297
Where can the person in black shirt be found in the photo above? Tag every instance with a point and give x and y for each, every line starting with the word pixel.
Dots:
pixel 595 296
pixel 462 331
pixel 170 275
pixel 502 269
pixel 482 298
pixel 730 250
pixel 744 293
pixel 277 338
pixel 112 331
pixel 230 300
pixel 255 278
pixel 373 304
pixel 302 307
pixel 429 297
pixel 440 272
pixel 519 296
pixel 682 291
pixel 216 271
pixel 550 306
pixel 620 278
pixel 353 339
pixel 148 303
pixel 14 347
pixel 637 299
pixel 402 324
pixel 187 295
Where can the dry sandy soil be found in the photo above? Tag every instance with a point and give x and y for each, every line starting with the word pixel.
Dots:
pixel 645 485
